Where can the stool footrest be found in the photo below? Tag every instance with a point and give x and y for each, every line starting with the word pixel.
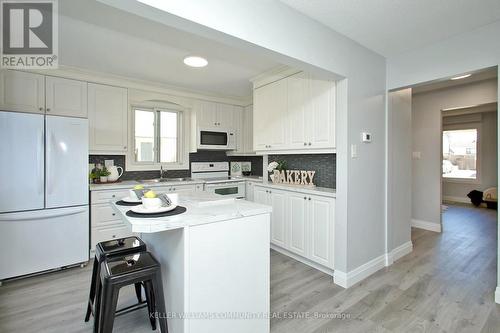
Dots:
pixel 131 308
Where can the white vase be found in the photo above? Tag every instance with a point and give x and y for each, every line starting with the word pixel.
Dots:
pixel 103 179
pixel 272 177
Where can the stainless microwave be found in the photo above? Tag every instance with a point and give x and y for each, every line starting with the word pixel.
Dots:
pixel 216 139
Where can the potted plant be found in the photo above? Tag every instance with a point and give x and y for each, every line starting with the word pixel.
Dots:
pixel 103 175
pixel 276 165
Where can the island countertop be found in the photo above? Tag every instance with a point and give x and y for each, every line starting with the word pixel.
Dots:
pixel 202 208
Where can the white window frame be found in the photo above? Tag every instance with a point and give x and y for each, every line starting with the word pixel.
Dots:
pixel 182 162
pixel 477 127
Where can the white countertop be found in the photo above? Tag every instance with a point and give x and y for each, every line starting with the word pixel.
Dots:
pixel 324 191
pixel 202 208
pixel 128 184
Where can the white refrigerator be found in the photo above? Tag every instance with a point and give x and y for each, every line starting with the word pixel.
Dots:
pixel 44 211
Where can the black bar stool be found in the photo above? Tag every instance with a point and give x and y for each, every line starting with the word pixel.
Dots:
pixel 108 249
pixel 118 272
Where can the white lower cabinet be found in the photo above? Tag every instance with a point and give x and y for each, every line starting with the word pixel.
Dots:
pixel 301 223
pixel 106 224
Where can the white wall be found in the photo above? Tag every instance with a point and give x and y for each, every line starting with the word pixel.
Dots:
pixel 273 29
pixel 487 156
pixel 399 169
pixel 426 129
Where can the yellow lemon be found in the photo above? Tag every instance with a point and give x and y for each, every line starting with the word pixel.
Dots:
pixel 150 194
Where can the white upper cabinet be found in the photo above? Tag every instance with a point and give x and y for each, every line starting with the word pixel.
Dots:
pixel 299 108
pixel 206 114
pixel 321 114
pixel 247 125
pixel 270 116
pixel 211 114
pixel 21 91
pixel 226 116
pixel 66 97
pixel 295 113
pixel 108 108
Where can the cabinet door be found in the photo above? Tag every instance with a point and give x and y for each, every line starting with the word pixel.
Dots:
pixel 249 188
pixel 299 107
pixel 277 115
pixel 260 195
pixel 226 116
pixel 261 100
pixel 108 107
pixel 248 129
pixel 278 218
pixel 23 92
pixel 238 129
pixel 206 114
pixel 321 120
pixel 297 219
pixel 321 221
pixel 66 97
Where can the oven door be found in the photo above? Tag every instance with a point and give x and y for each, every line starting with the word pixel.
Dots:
pixel 229 189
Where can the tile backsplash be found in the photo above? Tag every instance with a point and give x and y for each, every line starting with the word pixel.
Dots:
pixel 202 156
pixel 323 164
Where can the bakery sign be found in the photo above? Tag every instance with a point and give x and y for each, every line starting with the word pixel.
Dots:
pixel 293 177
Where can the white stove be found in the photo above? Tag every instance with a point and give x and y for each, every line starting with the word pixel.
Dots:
pixel 217 180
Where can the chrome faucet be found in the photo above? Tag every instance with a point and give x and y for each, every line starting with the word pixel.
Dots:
pixel 162 172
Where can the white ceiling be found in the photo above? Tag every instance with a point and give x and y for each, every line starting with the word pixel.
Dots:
pixel 390 27
pixel 482 75
pixel 97 37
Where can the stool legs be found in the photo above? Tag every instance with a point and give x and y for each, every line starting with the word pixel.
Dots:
pixel 95 268
pixel 138 291
pixel 161 311
pixel 150 298
pixel 108 308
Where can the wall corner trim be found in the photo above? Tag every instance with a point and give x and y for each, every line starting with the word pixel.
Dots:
pixel 431 226
pixel 497 295
pixel 347 280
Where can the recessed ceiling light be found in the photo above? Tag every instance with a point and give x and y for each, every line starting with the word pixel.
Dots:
pixel 460 77
pixel 194 61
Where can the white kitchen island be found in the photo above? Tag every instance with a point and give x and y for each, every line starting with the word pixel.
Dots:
pixel 215 263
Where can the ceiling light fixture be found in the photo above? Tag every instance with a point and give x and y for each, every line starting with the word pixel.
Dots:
pixel 194 61
pixel 460 77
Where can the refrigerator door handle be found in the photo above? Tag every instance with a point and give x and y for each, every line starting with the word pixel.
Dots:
pixel 39 162
pixel 41 215
pixel 51 147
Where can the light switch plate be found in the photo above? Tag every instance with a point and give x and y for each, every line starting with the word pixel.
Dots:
pixel 366 137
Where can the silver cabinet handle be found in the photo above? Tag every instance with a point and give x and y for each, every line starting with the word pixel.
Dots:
pixel 305 198
pixel 114 236
pixel 124 147
pixel 309 198
pixel 305 143
pixel 113 196
pixel 48 109
pixel 309 143
pixel 114 214
pixel 40 108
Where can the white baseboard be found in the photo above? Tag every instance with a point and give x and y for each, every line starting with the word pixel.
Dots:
pixel 346 280
pixel 349 279
pixel 456 199
pixel 436 227
pixel 497 295
pixel 398 252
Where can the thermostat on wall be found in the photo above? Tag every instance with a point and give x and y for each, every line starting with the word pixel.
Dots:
pixel 366 137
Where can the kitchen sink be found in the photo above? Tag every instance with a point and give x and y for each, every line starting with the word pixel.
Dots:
pixel 164 180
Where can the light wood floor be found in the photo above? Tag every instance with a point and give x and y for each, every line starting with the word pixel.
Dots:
pixel 445 285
